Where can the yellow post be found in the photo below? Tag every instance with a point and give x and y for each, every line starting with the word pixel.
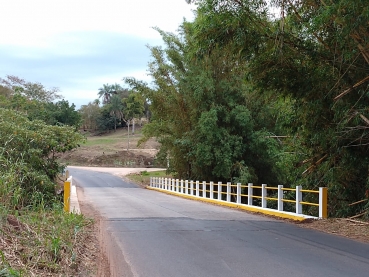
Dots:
pixel 66 175
pixel 323 202
pixel 67 196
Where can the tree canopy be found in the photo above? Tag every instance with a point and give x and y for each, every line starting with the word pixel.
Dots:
pixel 244 93
pixel 316 52
pixel 33 132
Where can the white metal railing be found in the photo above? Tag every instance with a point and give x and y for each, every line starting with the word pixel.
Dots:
pixel 244 194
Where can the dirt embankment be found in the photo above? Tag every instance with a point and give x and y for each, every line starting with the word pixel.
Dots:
pixel 114 149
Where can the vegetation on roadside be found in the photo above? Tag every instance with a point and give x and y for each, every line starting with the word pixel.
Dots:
pixel 143 177
pixel 44 242
pixel 36 237
pixel 240 95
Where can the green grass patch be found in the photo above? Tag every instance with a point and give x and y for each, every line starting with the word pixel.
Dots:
pixel 101 141
pixel 143 177
pixel 111 138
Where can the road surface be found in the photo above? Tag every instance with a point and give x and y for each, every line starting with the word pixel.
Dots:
pixel 154 234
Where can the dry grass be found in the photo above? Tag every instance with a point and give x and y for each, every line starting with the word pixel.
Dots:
pixel 356 230
pixel 110 150
pixel 47 243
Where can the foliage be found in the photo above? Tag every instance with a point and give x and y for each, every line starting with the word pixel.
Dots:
pixel 28 157
pixel 40 107
pixel 57 247
pixel 201 116
pixel 316 53
pixel 115 108
pixel 89 115
pixel 133 106
pixel 105 92
pixel 105 121
pixel 33 131
pixel 32 91
pixel 61 113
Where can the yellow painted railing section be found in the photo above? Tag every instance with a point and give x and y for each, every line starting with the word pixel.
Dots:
pixel 241 194
pixel 67 189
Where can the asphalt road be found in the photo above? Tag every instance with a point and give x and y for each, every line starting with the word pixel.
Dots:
pixel 155 234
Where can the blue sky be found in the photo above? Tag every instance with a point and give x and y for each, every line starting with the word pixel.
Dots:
pixel 79 45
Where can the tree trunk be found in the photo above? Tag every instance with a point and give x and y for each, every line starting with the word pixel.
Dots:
pixel 133 126
pixel 128 136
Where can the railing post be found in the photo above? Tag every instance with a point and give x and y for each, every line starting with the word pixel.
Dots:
pixel 228 192
pixel 220 190
pixel 177 185
pixel 298 200
pixel 191 187
pixel 166 183
pixel 186 187
pixel 173 185
pixel 204 189
pixel 323 202
pixel 280 198
pixel 161 183
pixel 249 193
pixel 67 185
pixel 211 196
pixel 263 196
pixel 182 187
pixel 238 193
pixel 150 182
pixel 197 188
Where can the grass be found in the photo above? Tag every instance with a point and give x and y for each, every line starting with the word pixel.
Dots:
pixel 112 138
pixel 143 177
pixel 44 242
pixel 92 141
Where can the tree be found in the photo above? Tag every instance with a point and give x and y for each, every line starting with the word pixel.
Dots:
pixel 89 115
pixel 105 92
pixel 316 54
pixel 62 113
pixel 133 107
pixel 29 157
pixel 96 102
pixel 115 108
pixel 32 91
pixel 105 122
pixel 200 114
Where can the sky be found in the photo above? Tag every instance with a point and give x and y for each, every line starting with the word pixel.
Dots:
pixel 79 45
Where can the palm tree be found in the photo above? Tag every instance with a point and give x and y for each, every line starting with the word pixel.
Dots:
pixel 105 92
pixel 115 108
pixel 116 88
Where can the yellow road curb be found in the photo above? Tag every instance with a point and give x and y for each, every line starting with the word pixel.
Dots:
pixel 255 209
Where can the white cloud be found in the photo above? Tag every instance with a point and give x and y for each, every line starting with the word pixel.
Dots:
pixel 78 45
pixel 33 22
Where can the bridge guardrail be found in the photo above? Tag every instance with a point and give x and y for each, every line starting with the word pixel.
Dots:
pixel 244 195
